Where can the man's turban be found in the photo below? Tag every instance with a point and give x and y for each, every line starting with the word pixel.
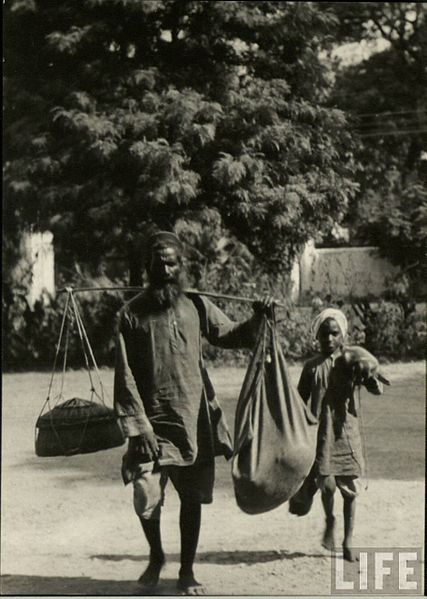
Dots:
pixel 334 313
pixel 163 239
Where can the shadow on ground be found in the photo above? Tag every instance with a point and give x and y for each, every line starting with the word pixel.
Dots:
pixel 98 466
pixel 56 585
pixel 12 584
pixel 220 557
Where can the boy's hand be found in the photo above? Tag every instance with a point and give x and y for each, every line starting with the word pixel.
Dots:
pixel 361 372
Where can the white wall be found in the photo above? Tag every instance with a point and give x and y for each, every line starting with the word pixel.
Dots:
pixel 37 249
pixel 342 272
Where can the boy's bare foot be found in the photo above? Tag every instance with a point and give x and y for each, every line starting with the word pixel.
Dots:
pixel 188 585
pixel 348 554
pixel 150 577
pixel 328 540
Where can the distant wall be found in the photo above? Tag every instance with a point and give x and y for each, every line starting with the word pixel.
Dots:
pixel 37 249
pixel 344 272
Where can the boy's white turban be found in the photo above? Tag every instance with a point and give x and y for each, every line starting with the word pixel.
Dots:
pixel 334 313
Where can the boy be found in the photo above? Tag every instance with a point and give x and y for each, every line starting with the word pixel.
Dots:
pixel 329 391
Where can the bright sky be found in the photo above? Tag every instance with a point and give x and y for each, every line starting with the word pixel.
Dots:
pixel 355 52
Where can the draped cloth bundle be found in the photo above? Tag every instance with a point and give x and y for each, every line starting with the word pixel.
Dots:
pixel 357 362
pixel 76 426
pixel 275 434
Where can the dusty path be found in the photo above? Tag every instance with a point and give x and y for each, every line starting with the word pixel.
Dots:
pixel 86 540
pixel 68 526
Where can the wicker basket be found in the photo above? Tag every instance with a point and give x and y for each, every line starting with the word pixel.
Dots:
pixel 77 426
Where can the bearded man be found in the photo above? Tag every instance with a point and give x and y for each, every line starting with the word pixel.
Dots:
pixel 165 400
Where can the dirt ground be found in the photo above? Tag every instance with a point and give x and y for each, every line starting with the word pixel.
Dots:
pixel 68 525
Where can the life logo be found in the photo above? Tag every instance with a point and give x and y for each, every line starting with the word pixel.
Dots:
pixel 378 571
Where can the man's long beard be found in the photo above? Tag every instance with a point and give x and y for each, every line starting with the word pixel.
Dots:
pixel 166 295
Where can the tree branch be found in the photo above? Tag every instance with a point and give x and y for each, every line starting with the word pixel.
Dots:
pixel 401 42
pixel 381 29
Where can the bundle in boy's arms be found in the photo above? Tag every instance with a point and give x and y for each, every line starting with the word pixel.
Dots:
pixel 358 364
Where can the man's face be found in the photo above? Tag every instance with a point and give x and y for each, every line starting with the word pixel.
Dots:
pixel 329 336
pixel 164 266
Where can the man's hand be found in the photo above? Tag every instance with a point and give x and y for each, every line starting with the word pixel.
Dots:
pixel 145 446
pixel 264 305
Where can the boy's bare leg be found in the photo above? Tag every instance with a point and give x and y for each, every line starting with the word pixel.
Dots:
pixel 349 515
pixel 328 487
pixel 189 521
pixel 150 577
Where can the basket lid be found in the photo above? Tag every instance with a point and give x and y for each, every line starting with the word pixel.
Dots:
pixel 76 411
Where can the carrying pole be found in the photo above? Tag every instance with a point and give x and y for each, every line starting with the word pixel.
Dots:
pixel 237 298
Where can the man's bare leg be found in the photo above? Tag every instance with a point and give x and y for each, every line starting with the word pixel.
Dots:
pixel 349 514
pixel 189 522
pixel 150 577
pixel 328 490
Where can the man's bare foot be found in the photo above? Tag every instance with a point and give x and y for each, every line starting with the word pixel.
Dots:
pixel 348 554
pixel 150 577
pixel 188 585
pixel 328 541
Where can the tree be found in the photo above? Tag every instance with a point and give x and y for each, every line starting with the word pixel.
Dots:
pixel 127 114
pixel 387 96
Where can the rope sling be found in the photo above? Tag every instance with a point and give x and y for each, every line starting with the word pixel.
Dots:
pixel 76 425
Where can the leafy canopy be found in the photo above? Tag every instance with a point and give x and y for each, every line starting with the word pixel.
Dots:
pixel 387 94
pixel 123 114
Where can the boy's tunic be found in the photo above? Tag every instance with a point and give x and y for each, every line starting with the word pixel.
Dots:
pixel 160 379
pixel 332 400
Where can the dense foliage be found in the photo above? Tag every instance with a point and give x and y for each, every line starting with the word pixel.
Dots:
pixel 225 121
pixel 32 335
pixel 121 115
pixel 387 95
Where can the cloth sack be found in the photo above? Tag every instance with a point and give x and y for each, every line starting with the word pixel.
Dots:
pixel 275 433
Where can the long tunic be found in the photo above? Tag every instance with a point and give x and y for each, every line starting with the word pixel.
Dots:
pixel 332 400
pixel 160 381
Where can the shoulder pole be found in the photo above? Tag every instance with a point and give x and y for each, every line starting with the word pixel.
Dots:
pixel 212 294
